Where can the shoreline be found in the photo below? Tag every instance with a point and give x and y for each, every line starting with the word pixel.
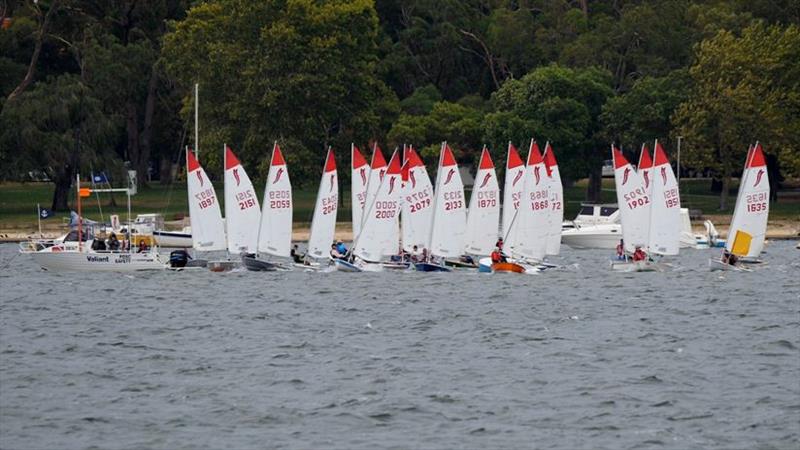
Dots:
pixel 781 229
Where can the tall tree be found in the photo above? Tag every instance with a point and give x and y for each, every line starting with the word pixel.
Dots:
pixel 58 125
pixel 746 88
pixel 644 113
pixel 296 70
pixel 561 105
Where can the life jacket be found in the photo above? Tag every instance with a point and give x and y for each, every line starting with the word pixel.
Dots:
pixel 496 257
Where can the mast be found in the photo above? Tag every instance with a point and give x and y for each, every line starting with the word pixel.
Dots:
pixel 80 218
pixel 196 119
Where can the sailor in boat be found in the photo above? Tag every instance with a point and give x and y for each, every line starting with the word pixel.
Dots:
pixel 341 248
pixel 498 256
pixel 424 257
pixel 142 246
pixel 297 257
pixel 335 254
pixel 639 254
pixel 729 258
pixel 415 254
pixel 621 250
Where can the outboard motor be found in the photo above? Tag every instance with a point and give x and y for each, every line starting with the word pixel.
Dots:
pixel 178 258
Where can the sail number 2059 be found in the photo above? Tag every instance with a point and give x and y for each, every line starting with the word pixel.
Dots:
pixel 280 199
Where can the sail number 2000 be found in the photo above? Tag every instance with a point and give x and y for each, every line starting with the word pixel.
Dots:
pixel 385 209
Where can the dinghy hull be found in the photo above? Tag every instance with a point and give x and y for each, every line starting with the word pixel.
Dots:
pixel 254 264
pixel 507 267
pixel 345 266
pixel 428 267
pixel 636 266
pixel 715 265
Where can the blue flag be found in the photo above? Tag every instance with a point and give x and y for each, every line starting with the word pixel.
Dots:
pixel 45 213
pixel 100 178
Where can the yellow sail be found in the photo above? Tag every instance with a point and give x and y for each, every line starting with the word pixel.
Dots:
pixel 741 243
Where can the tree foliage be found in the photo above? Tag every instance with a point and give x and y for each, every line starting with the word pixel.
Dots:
pixel 746 88
pixel 312 73
pixel 298 69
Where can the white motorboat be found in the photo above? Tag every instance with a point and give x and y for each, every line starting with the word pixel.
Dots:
pixel 595 226
pixel 78 250
pixel 71 256
pixel 598 226
pixel 174 239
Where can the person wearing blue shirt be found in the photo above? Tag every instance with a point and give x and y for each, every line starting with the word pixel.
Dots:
pixel 341 248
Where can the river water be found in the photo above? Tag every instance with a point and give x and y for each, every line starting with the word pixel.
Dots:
pixel 576 358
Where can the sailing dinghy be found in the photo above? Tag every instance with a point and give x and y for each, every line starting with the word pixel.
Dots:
pixel 749 224
pixel 512 193
pixel 634 206
pixel 274 233
pixel 649 202
pixel 417 207
pixel 359 177
pixel 379 229
pixel 208 229
pixel 556 189
pixel 529 232
pixel 449 221
pixel 483 216
pixel 323 223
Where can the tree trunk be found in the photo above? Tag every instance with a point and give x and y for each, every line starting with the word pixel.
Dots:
pixel 147 130
pixel 37 49
pixel 63 181
pixel 723 195
pixel 165 171
pixel 594 188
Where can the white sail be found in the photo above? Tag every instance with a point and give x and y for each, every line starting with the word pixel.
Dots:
pixel 417 201
pixel 484 209
pixel 665 210
pixel 556 202
pixel 275 235
pixel 645 171
pixel 377 169
pixel 358 187
pixel 633 201
pixel 512 192
pixel 449 209
pixel 533 216
pixel 323 223
pixel 208 231
pixel 749 224
pixel 379 233
pixel 242 212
